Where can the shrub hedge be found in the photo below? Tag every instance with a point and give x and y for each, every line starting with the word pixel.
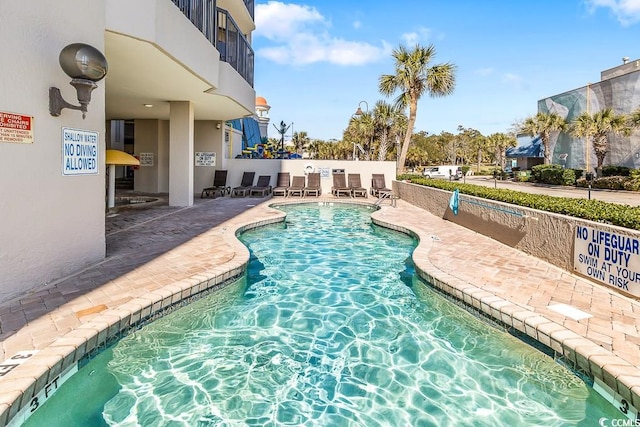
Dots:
pixel 606 182
pixel 615 171
pixel 633 184
pixel 592 210
pixel 553 174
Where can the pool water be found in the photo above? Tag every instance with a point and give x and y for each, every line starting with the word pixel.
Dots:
pixel 330 327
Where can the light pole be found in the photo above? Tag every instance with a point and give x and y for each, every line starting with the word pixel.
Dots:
pixel 359 110
pixel 359 113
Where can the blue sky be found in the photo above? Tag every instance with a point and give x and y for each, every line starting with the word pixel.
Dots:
pixel 316 60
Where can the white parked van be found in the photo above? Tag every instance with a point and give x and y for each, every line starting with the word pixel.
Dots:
pixel 451 172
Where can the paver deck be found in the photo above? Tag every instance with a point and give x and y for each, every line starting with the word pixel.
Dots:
pixel 155 253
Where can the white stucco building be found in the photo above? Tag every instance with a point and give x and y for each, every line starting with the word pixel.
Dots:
pixel 177 71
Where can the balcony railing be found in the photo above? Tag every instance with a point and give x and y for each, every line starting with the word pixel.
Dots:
pixel 220 29
pixel 234 47
pixel 202 14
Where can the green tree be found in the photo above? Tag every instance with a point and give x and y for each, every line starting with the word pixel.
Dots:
pixel 416 156
pixel 597 127
pixel 499 142
pixel 421 141
pixel 414 76
pixel 300 141
pixel 398 131
pixel 470 143
pixel 543 125
pixel 438 147
pixel 314 148
pixel 389 121
pixel 360 133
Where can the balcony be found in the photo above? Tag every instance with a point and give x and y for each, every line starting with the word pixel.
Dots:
pixel 157 54
pixel 218 26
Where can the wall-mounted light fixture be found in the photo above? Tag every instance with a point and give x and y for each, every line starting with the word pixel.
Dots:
pixel 85 65
pixel 218 126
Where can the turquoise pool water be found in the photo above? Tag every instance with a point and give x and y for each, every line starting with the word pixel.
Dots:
pixel 329 328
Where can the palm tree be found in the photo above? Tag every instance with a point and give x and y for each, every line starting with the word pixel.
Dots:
pixel 413 78
pixel 314 148
pixel 499 142
pixel 361 132
pixel 300 141
pixel 366 128
pixel 386 118
pixel 597 127
pixel 398 131
pixel 543 125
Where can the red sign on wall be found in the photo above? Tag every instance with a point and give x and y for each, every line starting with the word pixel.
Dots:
pixel 16 128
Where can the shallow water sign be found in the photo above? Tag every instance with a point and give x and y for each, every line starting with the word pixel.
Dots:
pixel 609 258
pixel 79 152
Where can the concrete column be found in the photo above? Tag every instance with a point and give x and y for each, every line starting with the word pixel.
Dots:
pixel 181 154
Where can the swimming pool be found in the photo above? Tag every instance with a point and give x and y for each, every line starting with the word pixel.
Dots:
pixel 329 327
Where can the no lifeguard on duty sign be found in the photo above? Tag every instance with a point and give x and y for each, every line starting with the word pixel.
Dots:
pixel 79 152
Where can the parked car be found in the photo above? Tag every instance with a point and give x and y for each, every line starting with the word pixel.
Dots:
pixel 451 172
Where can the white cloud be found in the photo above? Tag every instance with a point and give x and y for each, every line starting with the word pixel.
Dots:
pixel 626 11
pixel 278 21
pixel 415 37
pixel 299 36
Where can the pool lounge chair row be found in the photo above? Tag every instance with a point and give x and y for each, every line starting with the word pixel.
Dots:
pixel 262 188
pixel 298 185
pixel 343 185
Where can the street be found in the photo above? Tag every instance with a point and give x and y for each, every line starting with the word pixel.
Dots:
pixel 612 196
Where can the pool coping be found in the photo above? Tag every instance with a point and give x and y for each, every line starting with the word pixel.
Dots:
pixel 30 377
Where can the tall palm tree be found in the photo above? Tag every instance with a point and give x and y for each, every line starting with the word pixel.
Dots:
pixel 414 76
pixel 543 125
pixel 597 127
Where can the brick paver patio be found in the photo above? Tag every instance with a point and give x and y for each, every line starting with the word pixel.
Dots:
pixel 152 253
